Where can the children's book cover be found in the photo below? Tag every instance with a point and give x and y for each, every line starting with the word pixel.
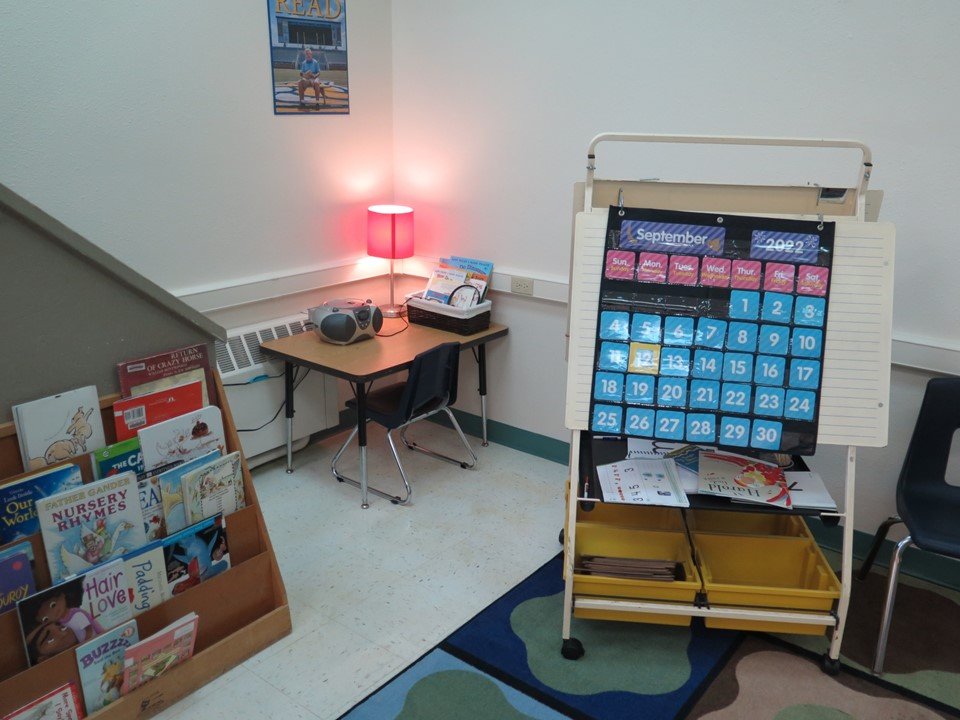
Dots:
pixel 60 704
pixel 16 579
pixel 73 612
pixel 743 478
pixel 131 414
pixel 91 525
pixel 18 511
pixel 172 493
pixel 196 554
pixel 214 488
pixel 147 576
pixel 153 656
pixel 59 427
pixel 100 662
pixel 183 438
pixel 151 505
pixel 156 372
pixel 117 458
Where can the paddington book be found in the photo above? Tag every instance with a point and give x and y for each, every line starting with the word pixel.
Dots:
pixel 91 525
pixel 18 511
pixel 100 663
pixel 63 703
pixel 131 414
pixel 164 370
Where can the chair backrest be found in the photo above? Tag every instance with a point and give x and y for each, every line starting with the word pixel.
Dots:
pixel 432 379
pixel 923 475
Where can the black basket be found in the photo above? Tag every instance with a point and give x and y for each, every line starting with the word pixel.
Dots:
pixel 460 326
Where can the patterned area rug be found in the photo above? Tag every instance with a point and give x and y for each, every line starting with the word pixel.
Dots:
pixel 506 663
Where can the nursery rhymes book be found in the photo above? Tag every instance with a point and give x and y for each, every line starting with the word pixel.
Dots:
pixel 130 414
pixel 164 370
pixel 153 656
pixel 100 662
pixel 214 488
pixel 170 490
pixel 196 554
pixel 18 510
pixel 118 458
pixel 59 427
pixel 60 704
pixel 182 438
pixel 91 525
pixel 742 478
pixel 75 611
pixel 16 578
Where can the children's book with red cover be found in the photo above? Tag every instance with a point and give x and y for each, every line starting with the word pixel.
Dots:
pixel 148 374
pixel 131 414
pixel 153 656
pixel 62 704
pixel 743 479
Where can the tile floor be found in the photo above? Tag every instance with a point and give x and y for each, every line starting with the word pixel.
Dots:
pixel 372 590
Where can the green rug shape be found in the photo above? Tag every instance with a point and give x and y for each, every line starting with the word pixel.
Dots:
pixel 451 693
pixel 620 656
pixel 812 712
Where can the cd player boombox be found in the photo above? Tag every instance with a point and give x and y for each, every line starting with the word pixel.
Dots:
pixel 345 320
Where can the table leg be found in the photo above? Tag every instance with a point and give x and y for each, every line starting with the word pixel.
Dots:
pixel 288 402
pixel 482 372
pixel 362 440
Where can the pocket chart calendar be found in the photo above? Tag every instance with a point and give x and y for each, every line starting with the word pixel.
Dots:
pixel 711 329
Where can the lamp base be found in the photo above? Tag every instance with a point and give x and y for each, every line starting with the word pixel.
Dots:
pixel 393 311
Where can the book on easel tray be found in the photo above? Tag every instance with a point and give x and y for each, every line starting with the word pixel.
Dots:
pixel 743 479
pixel 59 427
pixel 635 481
pixel 60 704
pixel 157 372
pixel 90 525
pixel 807 490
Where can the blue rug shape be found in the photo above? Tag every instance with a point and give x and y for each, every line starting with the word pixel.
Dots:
pixel 629 670
pixel 439 687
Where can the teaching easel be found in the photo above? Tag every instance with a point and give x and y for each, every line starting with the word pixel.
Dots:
pixel 856 373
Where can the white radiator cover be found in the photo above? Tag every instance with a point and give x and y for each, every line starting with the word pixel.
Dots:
pixel 254 387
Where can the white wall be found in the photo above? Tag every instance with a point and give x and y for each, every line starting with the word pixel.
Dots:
pixel 149 129
pixel 495 103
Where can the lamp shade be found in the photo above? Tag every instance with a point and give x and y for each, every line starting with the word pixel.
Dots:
pixel 390 231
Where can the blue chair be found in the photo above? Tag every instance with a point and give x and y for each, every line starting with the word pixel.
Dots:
pixel 430 388
pixel 926 503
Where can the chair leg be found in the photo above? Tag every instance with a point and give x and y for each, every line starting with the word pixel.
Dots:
pixel 877 544
pixel 426 451
pixel 403 473
pixel 396 500
pixel 888 604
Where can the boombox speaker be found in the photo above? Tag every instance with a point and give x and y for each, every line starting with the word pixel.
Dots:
pixel 345 320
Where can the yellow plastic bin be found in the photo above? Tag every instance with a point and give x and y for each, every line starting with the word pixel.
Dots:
pixel 639 517
pixel 747 523
pixel 616 541
pixel 765 572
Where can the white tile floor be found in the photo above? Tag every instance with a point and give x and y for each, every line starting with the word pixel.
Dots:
pixel 372 590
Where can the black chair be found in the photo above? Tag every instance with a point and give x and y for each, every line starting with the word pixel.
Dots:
pixel 430 388
pixel 926 503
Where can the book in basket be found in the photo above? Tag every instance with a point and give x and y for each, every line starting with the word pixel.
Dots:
pixel 153 656
pixel 59 427
pixel 90 525
pixel 743 478
pixel 100 664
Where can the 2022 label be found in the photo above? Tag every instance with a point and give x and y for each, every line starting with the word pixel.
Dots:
pixel 711 329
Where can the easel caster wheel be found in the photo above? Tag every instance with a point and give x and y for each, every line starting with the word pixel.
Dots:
pixel 560 538
pixel 572 649
pixel 829 665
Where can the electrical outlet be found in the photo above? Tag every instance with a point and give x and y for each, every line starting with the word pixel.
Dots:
pixel 521 285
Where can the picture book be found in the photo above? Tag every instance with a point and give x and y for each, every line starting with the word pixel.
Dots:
pixel 442 282
pixel 478 272
pixel 131 414
pixel 195 554
pixel 16 578
pixel 642 482
pixel 217 487
pixel 164 370
pixel 170 489
pixel 100 663
pixel 60 704
pixel 153 656
pixel 182 438
pixel 75 611
pixel 90 525
pixel 18 511
pixel 151 506
pixel 742 478
pixel 15 548
pixel 808 491
pixel 147 577
pixel 59 427
pixel 118 458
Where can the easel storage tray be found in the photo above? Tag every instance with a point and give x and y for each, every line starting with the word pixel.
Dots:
pixel 241 611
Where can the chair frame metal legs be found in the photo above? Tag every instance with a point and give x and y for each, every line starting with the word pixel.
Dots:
pixel 427 451
pixel 395 499
pixel 888 603
pixel 878 539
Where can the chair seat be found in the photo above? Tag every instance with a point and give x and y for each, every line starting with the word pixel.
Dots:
pixel 930 514
pixel 383 405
